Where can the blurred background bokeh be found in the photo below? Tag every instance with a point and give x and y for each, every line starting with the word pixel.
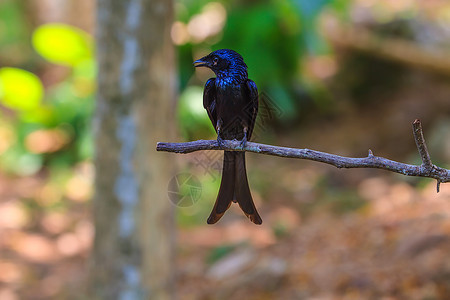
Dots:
pixel 334 75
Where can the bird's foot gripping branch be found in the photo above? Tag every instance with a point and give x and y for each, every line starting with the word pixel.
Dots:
pixel 426 169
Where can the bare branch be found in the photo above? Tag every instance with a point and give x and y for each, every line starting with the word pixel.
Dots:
pixel 427 169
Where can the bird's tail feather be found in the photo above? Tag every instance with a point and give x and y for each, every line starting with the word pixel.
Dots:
pixel 242 190
pixel 234 187
pixel 226 190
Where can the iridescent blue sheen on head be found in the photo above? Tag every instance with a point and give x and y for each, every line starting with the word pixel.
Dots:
pixel 228 65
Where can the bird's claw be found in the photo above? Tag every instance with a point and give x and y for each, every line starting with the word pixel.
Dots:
pixel 243 143
pixel 220 141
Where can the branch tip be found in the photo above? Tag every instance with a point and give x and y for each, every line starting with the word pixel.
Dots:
pixel 438 185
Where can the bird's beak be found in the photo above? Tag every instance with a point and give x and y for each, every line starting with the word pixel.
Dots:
pixel 200 63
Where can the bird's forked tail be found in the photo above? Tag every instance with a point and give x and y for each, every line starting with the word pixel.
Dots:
pixel 234 187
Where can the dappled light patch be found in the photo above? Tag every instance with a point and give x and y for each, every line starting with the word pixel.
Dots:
pixel 68 244
pixel 48 195
pixel 239 232
pixel 373 188
pixel 84 230
pixel 79 188
pixel 8 294
pixel 62 43
pixel 13 215
pixel 7 137
pixel 12 273
pixel 19 89
pixel 34 247
pixel 285 218
pixel 55 222
pixel 46 140
pixel 320 67
pixel 208 23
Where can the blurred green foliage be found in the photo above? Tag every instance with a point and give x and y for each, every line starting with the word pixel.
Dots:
pixel 52 126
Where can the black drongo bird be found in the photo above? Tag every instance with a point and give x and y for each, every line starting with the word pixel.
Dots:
pixel 231 100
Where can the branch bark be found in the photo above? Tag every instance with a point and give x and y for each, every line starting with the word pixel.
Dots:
pixel 426 169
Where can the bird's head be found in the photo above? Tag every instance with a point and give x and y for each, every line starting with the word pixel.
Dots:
pixel 223 63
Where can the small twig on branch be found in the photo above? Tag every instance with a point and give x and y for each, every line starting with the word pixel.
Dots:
pixel 423 150
pixel 426 169
pixel 421 146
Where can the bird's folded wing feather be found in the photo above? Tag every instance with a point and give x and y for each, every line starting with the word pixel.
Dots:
pixel 252 92
pixel 209 100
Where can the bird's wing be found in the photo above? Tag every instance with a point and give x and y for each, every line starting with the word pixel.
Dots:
pixel 252 107
pixel 209 101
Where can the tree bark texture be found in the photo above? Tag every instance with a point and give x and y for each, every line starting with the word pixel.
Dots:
pixel 133 248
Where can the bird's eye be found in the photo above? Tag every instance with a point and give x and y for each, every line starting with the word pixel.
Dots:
pixel 215 61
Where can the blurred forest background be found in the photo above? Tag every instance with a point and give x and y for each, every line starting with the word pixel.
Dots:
pixel 334 75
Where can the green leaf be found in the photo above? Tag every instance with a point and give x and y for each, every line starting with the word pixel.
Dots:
pixel 62 44
pixel 20 89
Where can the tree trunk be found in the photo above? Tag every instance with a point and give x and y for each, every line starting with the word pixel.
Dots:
pixel 133 248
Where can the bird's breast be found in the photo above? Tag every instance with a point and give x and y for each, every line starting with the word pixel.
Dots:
pixel 230 95
pixel 232 106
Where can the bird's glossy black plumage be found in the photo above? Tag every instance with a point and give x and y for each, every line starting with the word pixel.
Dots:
pixel 231 100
